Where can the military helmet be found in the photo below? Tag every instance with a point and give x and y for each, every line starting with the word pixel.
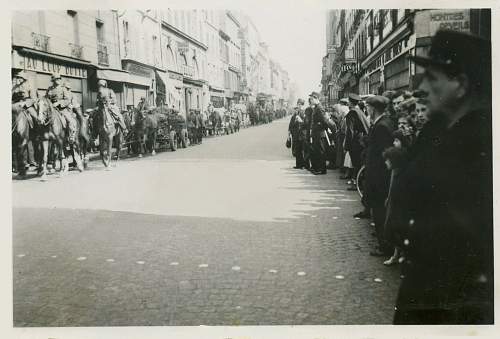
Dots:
pixel 55 76
pixel 102 82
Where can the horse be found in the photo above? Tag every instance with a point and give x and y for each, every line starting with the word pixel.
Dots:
pixel 146 128
pixel 109 134
pixel 23 131
pixel 52 133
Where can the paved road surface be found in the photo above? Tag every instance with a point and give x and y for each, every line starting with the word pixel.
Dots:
pixel 225 233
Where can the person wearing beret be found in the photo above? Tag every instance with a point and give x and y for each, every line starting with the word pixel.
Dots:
pixel 377 175
pixel 448 270
pixel 319 124
pixel 294 130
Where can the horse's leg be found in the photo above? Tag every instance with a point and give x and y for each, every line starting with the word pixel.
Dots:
pixel 109 150
pixel 153 143
pixel 118 146
pixel 61 152
pixel 21 152
pixel 76 155
pixel 45 156
pixel 102 148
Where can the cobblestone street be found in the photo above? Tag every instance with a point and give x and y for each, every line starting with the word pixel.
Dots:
pixel 225 233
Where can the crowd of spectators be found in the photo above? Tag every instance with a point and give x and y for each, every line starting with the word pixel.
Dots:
pixel 426 156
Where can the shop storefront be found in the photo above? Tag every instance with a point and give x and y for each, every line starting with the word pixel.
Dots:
pixel 39 66
pixel 375 82
pixel 216 96
pixel 140 83
pixel 193 94
pixel 397 75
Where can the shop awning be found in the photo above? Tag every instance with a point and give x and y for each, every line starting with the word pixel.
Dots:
pixel 163 77
pixel 112 75
pixel 139 80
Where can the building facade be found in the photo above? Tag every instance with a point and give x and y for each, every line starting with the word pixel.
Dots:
pixel 368 50
pixel 184 59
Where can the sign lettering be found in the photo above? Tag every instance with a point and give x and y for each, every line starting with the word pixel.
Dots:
pixel 139 70
pixel 46 65
pixel 454 19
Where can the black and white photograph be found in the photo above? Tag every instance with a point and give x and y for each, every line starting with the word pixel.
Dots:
pixel 250 166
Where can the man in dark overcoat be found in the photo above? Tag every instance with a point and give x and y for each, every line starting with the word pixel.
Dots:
pixel 448 271
pixel 295 130
pixel 320 122
pixel 306 135
pixel 377 175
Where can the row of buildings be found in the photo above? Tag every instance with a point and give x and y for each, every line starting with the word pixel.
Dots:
pixel 367 50
pixel 181 58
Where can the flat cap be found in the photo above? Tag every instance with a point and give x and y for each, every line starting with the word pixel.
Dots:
pixel 344 101
pixel 456 50
pixel 354 97
pixel 379 102
pixel 314 94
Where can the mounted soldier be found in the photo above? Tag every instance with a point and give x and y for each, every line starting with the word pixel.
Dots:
pixel 23 114
pixel 22 94
pixel 106 98
pixel 58 94
pixel 74 105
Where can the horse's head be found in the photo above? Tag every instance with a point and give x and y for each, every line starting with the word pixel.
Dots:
pixel 44 110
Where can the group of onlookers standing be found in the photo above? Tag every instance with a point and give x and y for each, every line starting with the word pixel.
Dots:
pixel 427 187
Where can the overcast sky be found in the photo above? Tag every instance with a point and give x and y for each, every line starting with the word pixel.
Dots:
pixel 296 38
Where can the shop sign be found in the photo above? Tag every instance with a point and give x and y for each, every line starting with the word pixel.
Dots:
pixel 453 19
pixel 46 65
pixel 139 70
pixel 351 66
pixel 396 50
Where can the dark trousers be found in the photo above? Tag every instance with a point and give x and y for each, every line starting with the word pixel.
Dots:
pixel 318 156
pixel 306 151
pixel 297 148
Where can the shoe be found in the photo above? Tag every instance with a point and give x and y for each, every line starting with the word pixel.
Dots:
pixel 343 177
pixel 297 167
pixel 319 172
pixel 362 215
pixel 352 188
pixel 391 261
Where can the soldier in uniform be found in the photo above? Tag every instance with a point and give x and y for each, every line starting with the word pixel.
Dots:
pixel 320 142
pixel 448 191
pixel 192 126
pixel 61 99
pixel 23 99
pixel 200 125
pixel 142 105
pixel 106 98
pixel 74 105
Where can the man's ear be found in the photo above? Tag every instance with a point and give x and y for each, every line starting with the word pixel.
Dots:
pixel 462 85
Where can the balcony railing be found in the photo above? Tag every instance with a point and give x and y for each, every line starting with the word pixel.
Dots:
pixel 187 70
pixel 102 54
pixel 76 51
pixel 40 42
